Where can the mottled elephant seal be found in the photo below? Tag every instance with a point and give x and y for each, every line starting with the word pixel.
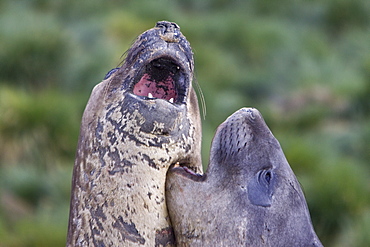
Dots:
pixel 249 195
pixel 139 120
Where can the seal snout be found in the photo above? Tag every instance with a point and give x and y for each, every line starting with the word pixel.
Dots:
pixel 167 27
pixel 235 134
pixel 160 65
pixel 250 112
pixel 170 31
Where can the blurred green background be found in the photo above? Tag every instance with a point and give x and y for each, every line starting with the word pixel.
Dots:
pixel 304 64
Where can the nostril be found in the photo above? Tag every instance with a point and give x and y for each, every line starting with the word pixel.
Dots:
pixel 175 26
pixel 161 24
pixel 168 27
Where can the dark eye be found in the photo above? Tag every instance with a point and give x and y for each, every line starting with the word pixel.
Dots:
pixel 268 176
pixel 265 176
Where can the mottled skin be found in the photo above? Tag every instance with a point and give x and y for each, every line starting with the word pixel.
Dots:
pixel 249 195
pixel 128 140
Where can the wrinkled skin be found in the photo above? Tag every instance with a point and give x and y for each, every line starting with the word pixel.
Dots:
pixel 249 195
pixel 139 120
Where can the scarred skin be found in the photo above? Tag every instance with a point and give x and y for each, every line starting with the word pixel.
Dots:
pixel 249 195
pixel 128 140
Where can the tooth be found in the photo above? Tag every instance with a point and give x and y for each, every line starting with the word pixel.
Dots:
pixel 150 95
pixel 171 100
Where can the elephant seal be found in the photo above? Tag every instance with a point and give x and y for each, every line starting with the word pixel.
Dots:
pixel 249 195
pixel 139 120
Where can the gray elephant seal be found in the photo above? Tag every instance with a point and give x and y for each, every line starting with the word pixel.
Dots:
pixel 249 195
pixel 139 120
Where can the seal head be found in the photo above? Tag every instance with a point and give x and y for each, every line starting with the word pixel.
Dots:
pixel 139 120
pixel 249 195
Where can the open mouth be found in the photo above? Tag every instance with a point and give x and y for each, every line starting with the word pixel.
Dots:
pixel 162 78
pixel 186 171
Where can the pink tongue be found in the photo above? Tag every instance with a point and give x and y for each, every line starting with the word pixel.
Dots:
pixel 161 89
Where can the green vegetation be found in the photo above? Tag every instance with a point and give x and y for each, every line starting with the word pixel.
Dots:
pixel 304 64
